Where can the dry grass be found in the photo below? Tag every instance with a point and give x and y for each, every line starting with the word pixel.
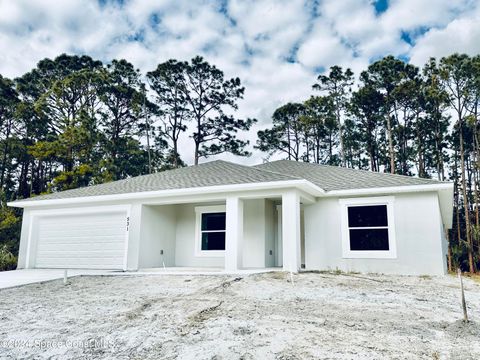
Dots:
pixel 475 277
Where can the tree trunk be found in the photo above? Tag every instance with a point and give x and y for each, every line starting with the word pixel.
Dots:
pixel 390 145
pixel 476 184
pixel 471 264
pixel 340 134
pixel 175 154
pixel 421 163
pixel 197 147
pixel 456 197
pixel 5 156
pixel 289 145
pixel 196 138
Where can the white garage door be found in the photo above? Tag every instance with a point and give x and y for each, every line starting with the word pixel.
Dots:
pixel 85 241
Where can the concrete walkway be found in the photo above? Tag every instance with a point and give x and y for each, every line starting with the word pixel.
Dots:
pixel 30 276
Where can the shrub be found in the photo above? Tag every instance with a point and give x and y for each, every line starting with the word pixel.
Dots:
pixel 8 261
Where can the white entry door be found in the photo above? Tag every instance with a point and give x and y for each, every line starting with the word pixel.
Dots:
pixel 83 241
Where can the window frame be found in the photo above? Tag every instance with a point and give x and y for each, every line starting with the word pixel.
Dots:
pixel 368 254
pixel 199 211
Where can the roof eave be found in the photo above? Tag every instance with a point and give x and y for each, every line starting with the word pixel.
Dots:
pixel 301 184
pixel 391 189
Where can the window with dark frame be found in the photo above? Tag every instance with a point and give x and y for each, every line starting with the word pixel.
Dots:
pixel 213 231
pixel 368 228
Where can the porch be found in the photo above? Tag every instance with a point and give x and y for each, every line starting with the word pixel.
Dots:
pixel 234 234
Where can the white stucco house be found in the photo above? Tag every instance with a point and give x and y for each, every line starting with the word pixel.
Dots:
pixel 282 214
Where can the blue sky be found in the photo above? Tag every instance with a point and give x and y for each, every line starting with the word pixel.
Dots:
pixel 276 47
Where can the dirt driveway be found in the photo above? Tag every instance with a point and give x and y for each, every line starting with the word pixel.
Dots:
pixel 263 316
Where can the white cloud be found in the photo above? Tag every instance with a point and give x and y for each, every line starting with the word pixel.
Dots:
pixel 409 14
pixel 272 45
pixel 461 35
pixel 322 48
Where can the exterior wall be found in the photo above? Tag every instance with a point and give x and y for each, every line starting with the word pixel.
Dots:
pixel 419 237
pixel 270 214
pixel 22 250
pixel 302 237
pixel 278 235
pixel 171 228
pixel 258 236
pixel 444 245
pixel 254 233
pixel 157 235
pixel 185 240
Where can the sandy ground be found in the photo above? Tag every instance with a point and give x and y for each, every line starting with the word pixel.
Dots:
pixel 263 316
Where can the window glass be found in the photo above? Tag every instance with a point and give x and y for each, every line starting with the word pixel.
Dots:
pixel 369 239
pixel 213 221
pixel 367 216
pixel 368 228
pixel 213 231
pixel 213 240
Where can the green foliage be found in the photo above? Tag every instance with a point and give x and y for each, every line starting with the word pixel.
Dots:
pixel 196 93
pixel 204 97
pixel 287 132
pixel 73 121
pixel 337 84
pixel 398 120
pixel 168 81
pixel 78 177
pixel 8 261
pixel 10 223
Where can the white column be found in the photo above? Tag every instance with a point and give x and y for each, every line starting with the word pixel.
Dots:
pixel 134 229
pixel 24 251
pixel 234 234
pixel 291 231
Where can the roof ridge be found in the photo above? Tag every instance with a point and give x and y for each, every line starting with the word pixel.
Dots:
pixel 350 169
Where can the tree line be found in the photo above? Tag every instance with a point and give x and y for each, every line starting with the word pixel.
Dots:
pixel 74 121
pixel 400 119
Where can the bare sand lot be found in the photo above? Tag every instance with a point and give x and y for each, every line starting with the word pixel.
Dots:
pixel 261 316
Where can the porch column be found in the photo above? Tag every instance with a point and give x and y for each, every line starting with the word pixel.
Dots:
pixel 134 229
pixel 291 231
pixel 233 234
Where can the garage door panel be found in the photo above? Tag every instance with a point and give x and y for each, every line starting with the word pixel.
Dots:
pixel 94 241
pixel 86 264
pixel 75 256
pixel 82 255
pixel 81 238
pixel 80 225
pixel 114 232
pixel 58 227
pixel 88 219
pixel 80 247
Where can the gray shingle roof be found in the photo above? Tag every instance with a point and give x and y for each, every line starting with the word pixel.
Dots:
pixel 331 178
pixel 219 172
pixel 213 173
